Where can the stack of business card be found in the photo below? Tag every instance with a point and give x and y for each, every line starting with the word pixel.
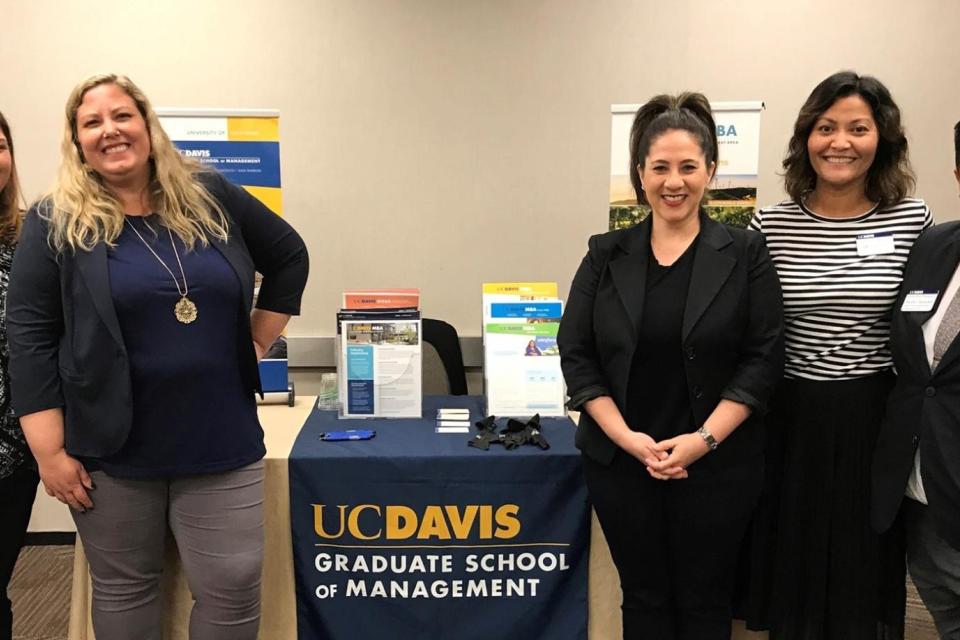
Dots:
pixel 453 420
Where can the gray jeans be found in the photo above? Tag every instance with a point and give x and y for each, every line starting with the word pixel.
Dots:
pixel 935 568
pixel 217 523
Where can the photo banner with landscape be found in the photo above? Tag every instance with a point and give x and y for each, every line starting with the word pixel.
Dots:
pixel 732 197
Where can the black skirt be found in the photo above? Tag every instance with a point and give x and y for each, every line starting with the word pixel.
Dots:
pixel 812 568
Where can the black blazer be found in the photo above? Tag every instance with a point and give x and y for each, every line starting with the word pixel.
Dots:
pixel 66 347
pixel 924 407
pixel 732 330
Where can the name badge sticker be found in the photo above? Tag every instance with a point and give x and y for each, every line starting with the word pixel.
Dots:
pixel 919 300
pixel 875 244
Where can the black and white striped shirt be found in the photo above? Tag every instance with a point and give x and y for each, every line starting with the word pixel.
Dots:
pixel 836 302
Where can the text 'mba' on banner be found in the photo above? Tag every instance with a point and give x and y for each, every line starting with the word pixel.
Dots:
pixel 242 144
pixel 733 193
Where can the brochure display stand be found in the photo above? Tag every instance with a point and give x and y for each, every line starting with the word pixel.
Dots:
pixel 379 335
pixel 522 374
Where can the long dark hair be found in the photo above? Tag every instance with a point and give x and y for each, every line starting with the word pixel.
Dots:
pixel 10 194
pixel 688 112
pixel 890 177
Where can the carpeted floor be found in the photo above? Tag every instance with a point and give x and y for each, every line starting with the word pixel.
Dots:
pixel 919 623
pixel 40 591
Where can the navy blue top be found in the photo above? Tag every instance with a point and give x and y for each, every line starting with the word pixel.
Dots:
pixel 191 410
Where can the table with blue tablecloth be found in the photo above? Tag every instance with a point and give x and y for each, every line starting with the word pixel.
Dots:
pixel 281 426
pixel 415 534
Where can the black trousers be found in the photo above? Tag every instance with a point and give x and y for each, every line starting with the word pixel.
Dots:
pixel 674 543
pixel 17 492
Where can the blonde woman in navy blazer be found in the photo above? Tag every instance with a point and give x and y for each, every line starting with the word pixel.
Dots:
pixel 134 340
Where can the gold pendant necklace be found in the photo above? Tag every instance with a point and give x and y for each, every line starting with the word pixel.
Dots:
pixel 184 310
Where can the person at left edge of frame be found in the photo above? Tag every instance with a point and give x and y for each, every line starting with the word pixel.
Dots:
pixel 18 471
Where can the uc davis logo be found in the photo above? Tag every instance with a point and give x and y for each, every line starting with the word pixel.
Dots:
pixel 433 522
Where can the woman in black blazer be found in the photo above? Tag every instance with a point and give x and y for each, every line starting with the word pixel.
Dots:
pixel 671 343
pixel 916 464
pixel 134 344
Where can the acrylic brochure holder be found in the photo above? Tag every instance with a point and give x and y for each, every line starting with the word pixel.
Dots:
pixel 379 354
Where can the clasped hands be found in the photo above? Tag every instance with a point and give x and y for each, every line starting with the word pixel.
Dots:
pixel 668 459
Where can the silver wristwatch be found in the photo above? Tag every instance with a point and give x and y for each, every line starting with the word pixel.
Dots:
pixel 708 438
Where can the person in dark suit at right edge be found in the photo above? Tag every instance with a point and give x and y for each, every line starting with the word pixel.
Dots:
pixel 916 465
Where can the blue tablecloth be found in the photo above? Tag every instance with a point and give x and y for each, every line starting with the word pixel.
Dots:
pixel 414 535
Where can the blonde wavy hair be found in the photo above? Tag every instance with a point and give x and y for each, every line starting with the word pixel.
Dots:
pixel 85 212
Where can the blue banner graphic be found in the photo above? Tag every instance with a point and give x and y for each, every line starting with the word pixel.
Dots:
pixel 250 164
pixel 526 310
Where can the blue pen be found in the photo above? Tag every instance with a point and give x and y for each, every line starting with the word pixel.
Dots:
pixel 349 434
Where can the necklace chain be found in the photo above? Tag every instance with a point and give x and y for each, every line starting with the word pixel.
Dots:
pixel 186 289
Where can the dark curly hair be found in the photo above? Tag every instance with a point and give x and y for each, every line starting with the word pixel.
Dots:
pixel 890 177
pixel 688 112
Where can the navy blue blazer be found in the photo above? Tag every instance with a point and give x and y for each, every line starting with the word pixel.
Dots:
pixel 923 409
pixel 732 330
pixel 66 347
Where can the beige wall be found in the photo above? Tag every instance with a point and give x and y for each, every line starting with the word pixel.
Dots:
pixel 442 143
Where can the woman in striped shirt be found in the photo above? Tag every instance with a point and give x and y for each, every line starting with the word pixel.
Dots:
pixel 839 244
